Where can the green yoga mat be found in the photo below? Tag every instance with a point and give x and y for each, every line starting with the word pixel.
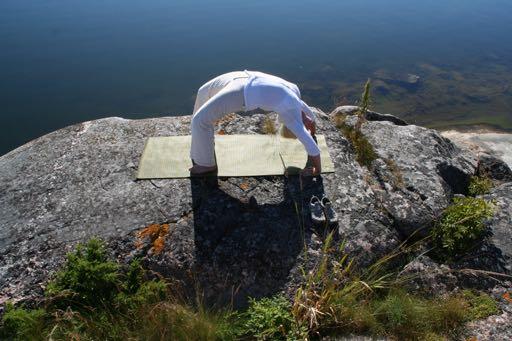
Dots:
pixel 237 155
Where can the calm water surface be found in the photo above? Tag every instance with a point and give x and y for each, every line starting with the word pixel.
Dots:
pixel 66 61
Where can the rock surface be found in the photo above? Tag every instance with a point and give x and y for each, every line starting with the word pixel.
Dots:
pixel 417 173
pixel 498 144
pixel 233 237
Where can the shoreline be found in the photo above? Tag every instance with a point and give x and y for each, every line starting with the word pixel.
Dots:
pixel 483 140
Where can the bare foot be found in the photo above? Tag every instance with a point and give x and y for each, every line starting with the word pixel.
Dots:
pixel 198 170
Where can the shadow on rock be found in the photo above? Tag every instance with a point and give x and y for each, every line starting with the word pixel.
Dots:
pixel 244 248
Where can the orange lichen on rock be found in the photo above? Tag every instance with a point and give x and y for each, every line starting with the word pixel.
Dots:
pixel 244 186
pixel 507 297
pixel 156 233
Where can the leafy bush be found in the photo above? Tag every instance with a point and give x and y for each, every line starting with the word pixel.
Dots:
pixel 461 225
pixel 269 319
pixel 22 324
pixel 88 274
pixel 479 185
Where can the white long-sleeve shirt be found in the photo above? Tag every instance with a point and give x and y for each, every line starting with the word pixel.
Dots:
pixel 270 93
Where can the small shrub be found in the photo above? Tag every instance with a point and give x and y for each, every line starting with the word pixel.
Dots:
pixel 22 324
pixel 134 277
pixel 149 292
pixel 269 319
pixel 88 275
pixel 461 225
pixel 479 185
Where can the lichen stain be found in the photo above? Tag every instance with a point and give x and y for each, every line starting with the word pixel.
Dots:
pixel 156 233
pixel 507 297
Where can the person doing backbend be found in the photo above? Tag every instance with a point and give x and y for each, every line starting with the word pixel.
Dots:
pixel 244 91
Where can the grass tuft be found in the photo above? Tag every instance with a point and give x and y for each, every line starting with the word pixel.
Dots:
pixel 481 305
pixel 268 126
pixel 365 153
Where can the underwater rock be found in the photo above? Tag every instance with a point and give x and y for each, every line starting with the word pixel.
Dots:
pixel 408 81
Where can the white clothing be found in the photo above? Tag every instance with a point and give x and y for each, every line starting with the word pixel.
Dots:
pixel 229 99
pixel 241 91
pixel 212 87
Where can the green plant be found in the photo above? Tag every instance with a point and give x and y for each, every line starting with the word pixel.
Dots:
pixel 406 316
pixel 22 324
pixel 339 299
pixel 365 153
pixel 88 276
pixel 269 319
pixel 364 105
pixel 461 224
pixel 481 305
pixel 335 298
pixel 479 185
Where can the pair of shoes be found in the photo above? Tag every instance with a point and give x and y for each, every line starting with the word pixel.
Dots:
pixel 322 211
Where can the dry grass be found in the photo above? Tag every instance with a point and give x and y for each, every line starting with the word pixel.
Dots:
pixel 397 180
pixel 268 126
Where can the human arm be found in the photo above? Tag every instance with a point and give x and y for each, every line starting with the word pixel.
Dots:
pixel 308 118
pixel 314 166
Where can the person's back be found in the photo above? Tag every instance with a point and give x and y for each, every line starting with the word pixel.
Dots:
pixel 245 91
pixel 215 85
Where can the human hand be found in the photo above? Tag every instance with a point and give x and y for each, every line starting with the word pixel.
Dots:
pixel 310 125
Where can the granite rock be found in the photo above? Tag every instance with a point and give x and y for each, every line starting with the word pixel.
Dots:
pixel 233 238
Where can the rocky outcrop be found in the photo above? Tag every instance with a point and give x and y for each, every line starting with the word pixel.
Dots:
pixel 493 168
pixel 232 237
pixel 484 142
pixel 417 173
pixel 370 115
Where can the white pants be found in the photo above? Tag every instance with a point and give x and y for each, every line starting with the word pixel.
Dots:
pixel 228 100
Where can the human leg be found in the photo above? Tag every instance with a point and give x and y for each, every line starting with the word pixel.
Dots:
pixel 228 100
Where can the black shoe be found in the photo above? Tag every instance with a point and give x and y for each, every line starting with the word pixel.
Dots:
pixel 317 211
pixel 330 215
